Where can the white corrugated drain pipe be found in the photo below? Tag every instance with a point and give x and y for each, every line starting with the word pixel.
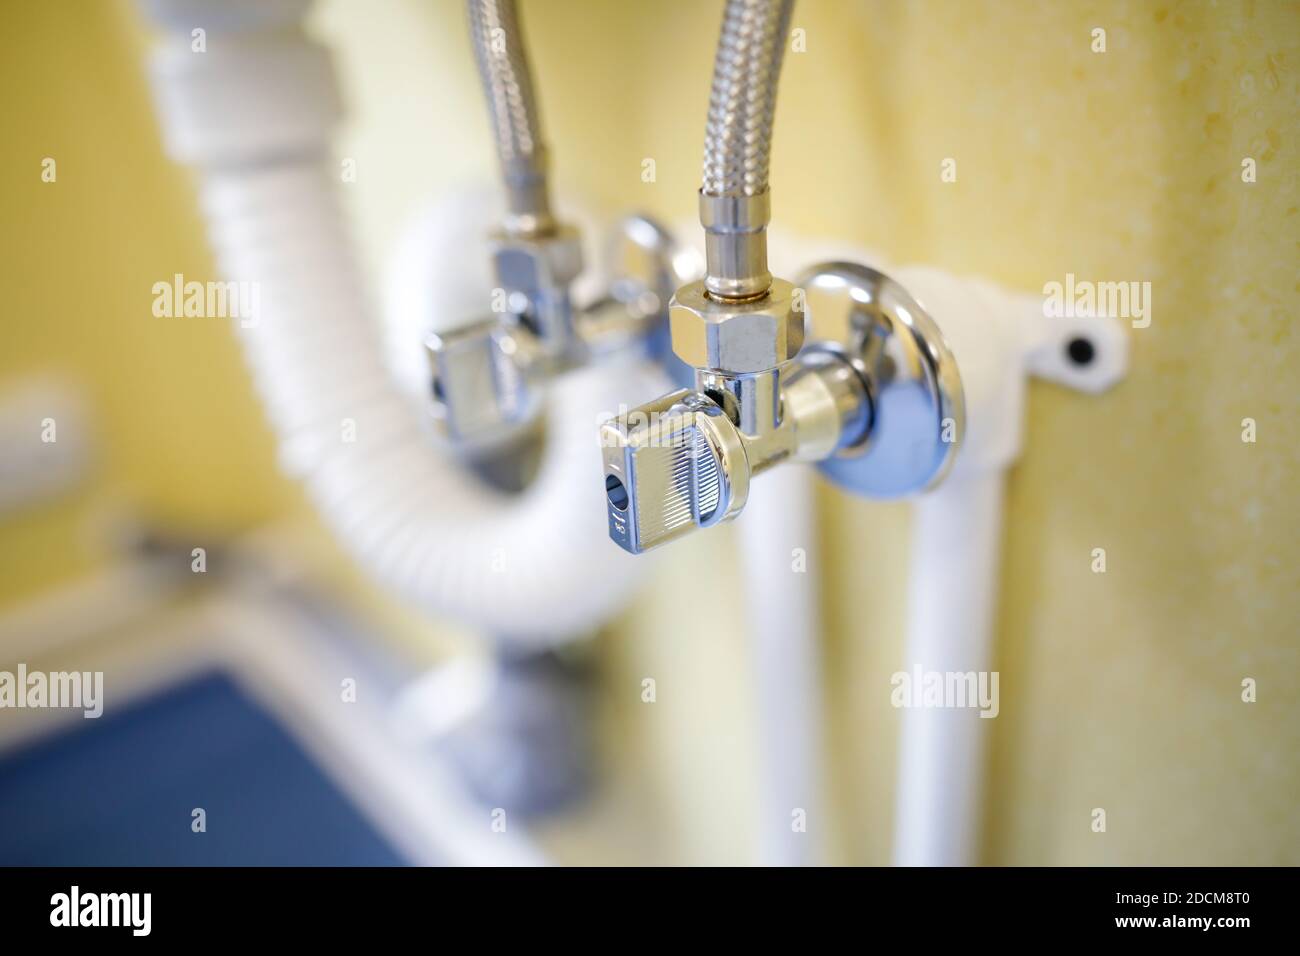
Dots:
pixel 254 113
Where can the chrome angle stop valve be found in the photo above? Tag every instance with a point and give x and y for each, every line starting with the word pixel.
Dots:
pixel 489 374
pixel 876 403
pixel 873 398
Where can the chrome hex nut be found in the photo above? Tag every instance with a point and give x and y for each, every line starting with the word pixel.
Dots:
pixel 537 264
pixel 736 337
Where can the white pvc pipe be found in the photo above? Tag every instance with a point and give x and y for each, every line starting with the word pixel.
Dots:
pixel 777 532
pixel 953 602
pixel 998 338
pixel 255 114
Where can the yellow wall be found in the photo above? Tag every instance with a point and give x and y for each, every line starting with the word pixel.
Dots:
pixel 180 438
pixel 1118 690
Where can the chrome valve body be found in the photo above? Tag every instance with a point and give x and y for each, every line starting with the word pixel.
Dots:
pixel 877 405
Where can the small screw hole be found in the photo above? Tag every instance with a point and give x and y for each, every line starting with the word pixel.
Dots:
pixel 1081 351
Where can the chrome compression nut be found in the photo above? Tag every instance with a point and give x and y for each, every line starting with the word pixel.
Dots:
pixel 736 337
pixel 535 272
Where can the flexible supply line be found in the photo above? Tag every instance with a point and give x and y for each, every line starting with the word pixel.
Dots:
pixel 512 108
pixel 742 100
pixel 734 204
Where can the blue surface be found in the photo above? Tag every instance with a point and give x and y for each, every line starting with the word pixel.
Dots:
pixel 119 790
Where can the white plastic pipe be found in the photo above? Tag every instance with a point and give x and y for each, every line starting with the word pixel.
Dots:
pixel 255 114
pixel 784 627
pixel 999 339
pixel 953 591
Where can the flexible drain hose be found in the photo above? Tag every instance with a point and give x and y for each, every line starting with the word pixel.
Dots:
pixel 254 114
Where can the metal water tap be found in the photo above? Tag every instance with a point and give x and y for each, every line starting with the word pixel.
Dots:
pixel 876 400
pixel 488 375
pixel 877 404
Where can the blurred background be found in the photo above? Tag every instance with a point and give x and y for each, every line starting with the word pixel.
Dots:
pixel 1120 690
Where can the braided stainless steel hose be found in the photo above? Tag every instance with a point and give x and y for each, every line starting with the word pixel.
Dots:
pixel 512 107
pixel 734 205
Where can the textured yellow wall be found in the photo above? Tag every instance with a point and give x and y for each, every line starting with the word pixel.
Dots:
pixel 180 440
pixel 1119 690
